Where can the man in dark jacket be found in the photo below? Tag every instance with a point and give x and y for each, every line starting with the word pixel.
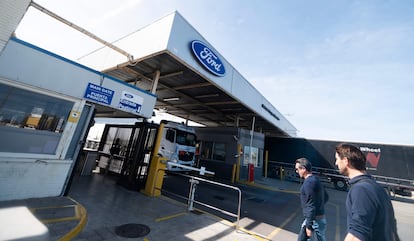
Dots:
pixel 370 214
pixel 312 197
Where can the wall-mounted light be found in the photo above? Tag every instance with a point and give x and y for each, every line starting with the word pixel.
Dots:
pixel 172 99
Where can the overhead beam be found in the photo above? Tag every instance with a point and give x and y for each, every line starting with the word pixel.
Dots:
pixel 135 73
pixel 185 96
pixel 232 102
pixel 208 113
pixel 125 67
pixel 171 74
pixel 82 30
pixel 192 86
pixel 170 108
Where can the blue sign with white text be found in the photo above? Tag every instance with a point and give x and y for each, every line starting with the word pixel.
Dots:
pixel 99 94
pixel 130 102
pixel 208 58
pixel 129 106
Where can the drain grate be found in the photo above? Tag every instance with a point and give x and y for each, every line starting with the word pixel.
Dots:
pixel 132 230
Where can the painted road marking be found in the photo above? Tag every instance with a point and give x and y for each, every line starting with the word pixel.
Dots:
pixel 170 217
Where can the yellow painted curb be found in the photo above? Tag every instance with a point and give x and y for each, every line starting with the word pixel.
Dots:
pixel 170 217
pixel 257 236
pixel 56 220
pixel 83 218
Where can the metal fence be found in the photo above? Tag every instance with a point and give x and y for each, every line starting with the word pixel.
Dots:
pixel 192 200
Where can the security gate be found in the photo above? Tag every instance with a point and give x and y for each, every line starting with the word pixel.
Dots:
pixel 136 164
pixel 126 151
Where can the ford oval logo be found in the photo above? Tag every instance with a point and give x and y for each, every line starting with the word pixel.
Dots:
pixel 128 95
pixel 207 58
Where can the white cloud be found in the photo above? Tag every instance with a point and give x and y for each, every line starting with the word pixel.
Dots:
pixel 362 46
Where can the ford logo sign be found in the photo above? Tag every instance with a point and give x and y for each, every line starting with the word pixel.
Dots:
pixel 207 58
pixel 128 95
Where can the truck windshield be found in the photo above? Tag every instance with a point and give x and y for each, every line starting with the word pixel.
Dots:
pixel 185 138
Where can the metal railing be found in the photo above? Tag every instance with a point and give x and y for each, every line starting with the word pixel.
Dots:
pixel 191 197
pixel 191 200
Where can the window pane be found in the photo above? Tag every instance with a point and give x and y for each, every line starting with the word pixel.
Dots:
pixel 254 155
pixel 170 135
pixel 185 138
pixel 219 151
pixel 206 150
pixel 31 122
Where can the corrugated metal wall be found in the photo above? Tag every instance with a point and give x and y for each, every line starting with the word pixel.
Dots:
pixel 11 13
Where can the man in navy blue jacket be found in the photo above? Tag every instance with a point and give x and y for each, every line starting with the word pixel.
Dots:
pixel 312 197
pixel 370 215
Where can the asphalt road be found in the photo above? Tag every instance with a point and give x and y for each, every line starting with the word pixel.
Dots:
pixel 272 213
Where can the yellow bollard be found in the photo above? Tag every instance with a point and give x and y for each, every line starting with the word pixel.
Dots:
pixel 239 153
pixel 233 173
pixel 155 176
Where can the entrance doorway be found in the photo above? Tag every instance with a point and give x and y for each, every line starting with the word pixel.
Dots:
pixel 125 151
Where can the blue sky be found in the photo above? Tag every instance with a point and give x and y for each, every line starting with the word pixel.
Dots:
pixel 337 69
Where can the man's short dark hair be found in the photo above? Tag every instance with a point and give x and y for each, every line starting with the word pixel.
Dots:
pixel 355 156
pixel 303 162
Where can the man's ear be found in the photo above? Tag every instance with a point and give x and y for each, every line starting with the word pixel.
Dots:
pixel 346 161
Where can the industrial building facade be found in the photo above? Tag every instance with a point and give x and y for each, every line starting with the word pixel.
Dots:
pixel 47 102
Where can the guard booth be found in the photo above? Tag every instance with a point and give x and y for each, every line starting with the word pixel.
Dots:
pixel 228 151
pixel 47 106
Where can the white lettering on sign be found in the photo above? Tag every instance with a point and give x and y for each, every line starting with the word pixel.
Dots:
pixel 367 149
pixel 99 88
pixel 99 94
pixel 210 58
pixel 130 102
pixel 98 97
pixel 127 102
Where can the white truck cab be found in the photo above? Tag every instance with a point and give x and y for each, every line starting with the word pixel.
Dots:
pixel 178 144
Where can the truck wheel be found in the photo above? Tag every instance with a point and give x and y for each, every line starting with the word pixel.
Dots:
pixel 340 185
